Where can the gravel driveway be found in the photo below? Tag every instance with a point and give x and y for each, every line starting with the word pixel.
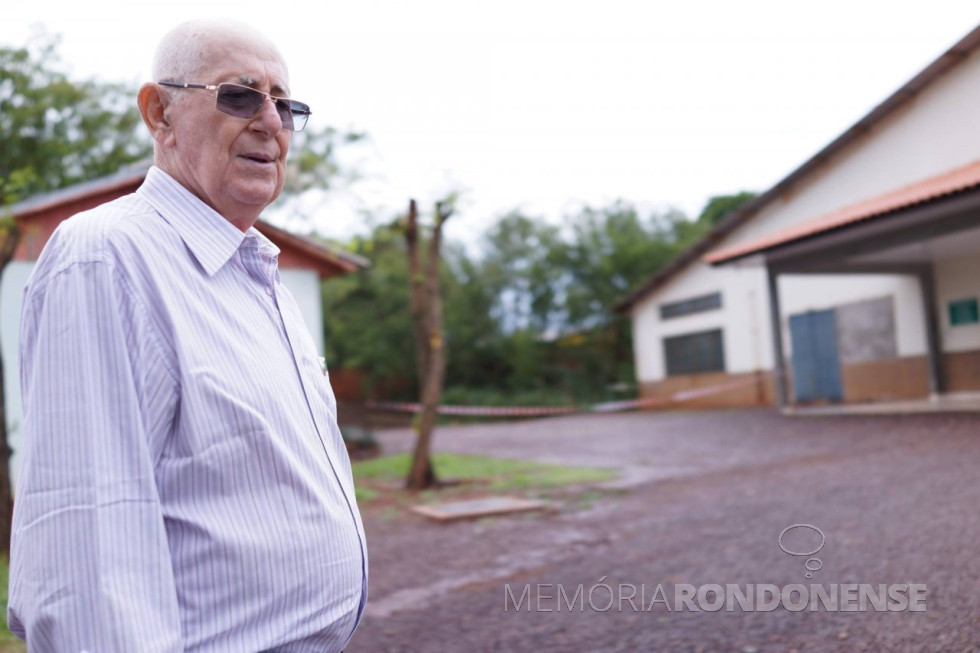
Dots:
pixel 702 501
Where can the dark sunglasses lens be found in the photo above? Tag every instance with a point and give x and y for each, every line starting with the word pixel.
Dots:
pixel 244 102
pixel 299 113
pixel 285 114
pixel 239 101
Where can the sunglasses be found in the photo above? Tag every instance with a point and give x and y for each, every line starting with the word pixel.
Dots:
pixel 245 102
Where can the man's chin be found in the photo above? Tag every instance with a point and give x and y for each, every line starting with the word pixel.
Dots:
pixel 257 195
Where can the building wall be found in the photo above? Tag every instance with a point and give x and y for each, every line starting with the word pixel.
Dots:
pixel 962 370
pixel 802 293
pixel 933 133
pixel 744 319
pixel 304 285
pixel 956 279
pixel 888 379
pixel 12 284
pixel 717 390
pixel 744 316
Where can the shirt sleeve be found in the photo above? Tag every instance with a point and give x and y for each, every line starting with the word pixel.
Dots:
pixel 90 561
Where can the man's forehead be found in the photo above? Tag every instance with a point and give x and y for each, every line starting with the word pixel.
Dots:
pixel 276 87
pixel 252 63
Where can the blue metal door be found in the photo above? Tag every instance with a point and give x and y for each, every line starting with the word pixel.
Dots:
pixel 816 360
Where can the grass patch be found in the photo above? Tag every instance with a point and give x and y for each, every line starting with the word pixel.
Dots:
pixel 8 641
pixel 363 494
pixel 497 473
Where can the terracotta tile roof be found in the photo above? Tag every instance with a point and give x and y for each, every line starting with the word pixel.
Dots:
pixel 932 188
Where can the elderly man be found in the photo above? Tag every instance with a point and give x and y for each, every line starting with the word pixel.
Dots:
pixel 184 484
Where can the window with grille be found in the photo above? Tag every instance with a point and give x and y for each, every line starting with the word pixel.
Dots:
pixel 695 353
pixel 689 306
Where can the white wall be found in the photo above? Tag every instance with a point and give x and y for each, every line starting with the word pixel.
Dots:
pixel 802 293
pixel 12 284
pixel 304 285
pixel 744 316
pixel 956 279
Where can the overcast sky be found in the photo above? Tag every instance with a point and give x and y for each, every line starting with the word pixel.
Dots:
pixel 547 104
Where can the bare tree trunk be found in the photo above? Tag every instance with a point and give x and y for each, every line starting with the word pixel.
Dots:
pixel 417 286
pixel 430 350
pixel 9 238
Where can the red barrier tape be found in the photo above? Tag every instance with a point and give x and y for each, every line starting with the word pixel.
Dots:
pixel 476 410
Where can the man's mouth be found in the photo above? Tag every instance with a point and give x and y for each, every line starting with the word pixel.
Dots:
pixel 258 157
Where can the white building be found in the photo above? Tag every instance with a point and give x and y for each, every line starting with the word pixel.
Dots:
pixel 867 257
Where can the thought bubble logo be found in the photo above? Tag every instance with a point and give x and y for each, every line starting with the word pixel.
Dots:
pixel 804 537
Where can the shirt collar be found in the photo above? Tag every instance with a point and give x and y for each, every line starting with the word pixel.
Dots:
pixel 211 239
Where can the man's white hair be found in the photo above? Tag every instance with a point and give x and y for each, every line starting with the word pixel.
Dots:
pixel 183 52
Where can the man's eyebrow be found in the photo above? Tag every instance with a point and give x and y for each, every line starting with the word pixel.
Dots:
pixel 277 90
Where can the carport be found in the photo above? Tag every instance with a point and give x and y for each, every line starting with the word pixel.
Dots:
pixel 907 231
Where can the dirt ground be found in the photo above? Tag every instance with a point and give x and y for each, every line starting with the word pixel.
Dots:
pixel 702 500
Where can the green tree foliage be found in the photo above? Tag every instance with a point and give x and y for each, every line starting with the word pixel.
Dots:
pixel 527 318
pixel 476 346
pixel 367 317
pixel 721 206
pixel 522 267
pixel 313 159
pixel 56 131
pixel 612 249
pixel 312 170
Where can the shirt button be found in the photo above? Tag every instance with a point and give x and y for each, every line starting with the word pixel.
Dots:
pixel 268 291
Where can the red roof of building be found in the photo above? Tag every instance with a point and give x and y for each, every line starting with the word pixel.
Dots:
pixel 40 215
pixel 932 188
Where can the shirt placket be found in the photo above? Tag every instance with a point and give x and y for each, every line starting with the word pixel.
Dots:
pixel 263 268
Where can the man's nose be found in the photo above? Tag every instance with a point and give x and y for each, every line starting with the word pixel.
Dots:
pixel 268 119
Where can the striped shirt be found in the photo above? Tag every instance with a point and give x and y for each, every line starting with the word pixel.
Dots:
pixel 184 485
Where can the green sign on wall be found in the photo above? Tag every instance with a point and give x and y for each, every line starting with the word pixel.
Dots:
pixel 964 311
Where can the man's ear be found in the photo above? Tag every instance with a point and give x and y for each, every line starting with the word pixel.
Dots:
pixel 153 102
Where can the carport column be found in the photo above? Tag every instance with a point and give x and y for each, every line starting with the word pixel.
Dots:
pixel 927 285
pixel 779 361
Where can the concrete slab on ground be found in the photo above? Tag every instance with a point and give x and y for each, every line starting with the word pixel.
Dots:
pixel 475 508
pixel 952 402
